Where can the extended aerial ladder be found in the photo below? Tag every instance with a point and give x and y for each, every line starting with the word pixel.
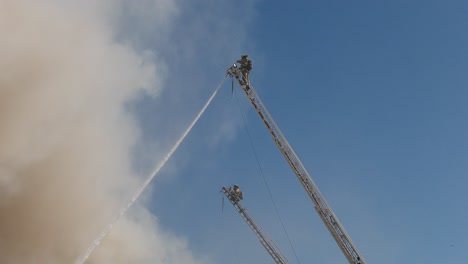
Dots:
pixel 234 195
pixel 321 206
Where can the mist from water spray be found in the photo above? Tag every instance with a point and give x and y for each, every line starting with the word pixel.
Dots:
pixel 140 190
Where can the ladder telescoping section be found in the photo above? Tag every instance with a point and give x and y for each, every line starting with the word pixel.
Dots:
pixel 270 247
pixel 321 206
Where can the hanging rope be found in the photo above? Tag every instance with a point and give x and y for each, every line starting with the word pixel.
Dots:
pixel 265 180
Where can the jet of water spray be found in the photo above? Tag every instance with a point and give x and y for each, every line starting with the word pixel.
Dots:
pixel 140 190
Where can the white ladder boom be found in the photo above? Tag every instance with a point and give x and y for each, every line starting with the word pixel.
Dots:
pixel 270 247
pixel 321 206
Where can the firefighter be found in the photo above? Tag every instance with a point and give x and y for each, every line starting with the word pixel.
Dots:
pixel 245 67
pixel 238 192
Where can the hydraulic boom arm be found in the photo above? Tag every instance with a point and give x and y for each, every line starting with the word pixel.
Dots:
pixel 325 212
pixel 234 196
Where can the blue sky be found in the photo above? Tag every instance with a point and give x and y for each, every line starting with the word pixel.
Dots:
pixel 370 94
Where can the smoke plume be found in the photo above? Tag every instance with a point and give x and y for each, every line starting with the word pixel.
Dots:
pixel 66 139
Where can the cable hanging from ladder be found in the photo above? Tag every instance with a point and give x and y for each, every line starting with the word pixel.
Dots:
pixel 266 182
pixel 341 237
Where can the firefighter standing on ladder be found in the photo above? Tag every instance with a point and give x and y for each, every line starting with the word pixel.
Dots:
pixel 245 68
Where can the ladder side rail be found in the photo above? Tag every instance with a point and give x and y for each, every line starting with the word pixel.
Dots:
pixel 263 240
pixel 277 250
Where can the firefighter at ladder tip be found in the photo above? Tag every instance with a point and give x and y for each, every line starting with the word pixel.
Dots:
pixel 235 194
pixel 245 68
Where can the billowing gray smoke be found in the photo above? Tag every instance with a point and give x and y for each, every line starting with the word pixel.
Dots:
pixel 65 139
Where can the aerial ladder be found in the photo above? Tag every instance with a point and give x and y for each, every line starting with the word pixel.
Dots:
pixel 234 195
pixel 321 206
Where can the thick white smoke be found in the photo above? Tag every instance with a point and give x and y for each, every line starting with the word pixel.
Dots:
pixel 66 139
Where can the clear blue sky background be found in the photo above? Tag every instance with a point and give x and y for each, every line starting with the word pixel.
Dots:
pixel 372 96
